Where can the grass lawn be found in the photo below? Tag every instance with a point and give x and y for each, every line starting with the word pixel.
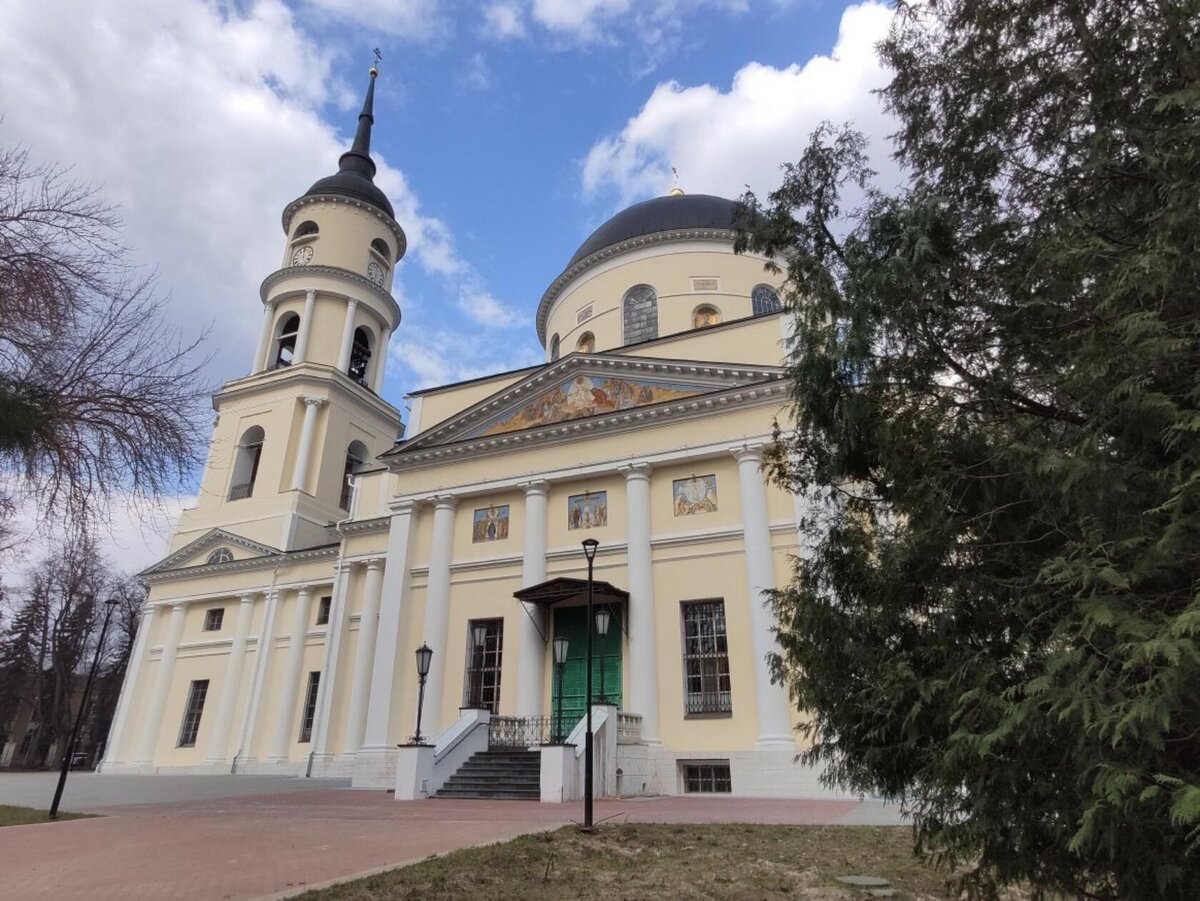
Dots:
pixel 637 861
pixel 21 816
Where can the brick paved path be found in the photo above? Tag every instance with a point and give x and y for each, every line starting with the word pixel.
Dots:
pixel 240 848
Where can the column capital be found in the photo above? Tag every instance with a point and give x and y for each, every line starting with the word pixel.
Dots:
pixel 748 453
pixel 374 564
pixel 314 401
pixel 351 302
pixel 304 589
pixel 179 606
pixel 310 294
pixel 635 471
pixel 403 507
pixel 538 486
pixel 247 597
pixel 444 501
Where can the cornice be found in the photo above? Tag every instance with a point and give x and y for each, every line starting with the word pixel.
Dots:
pixel 308 199
pixel 319 374
pixel 250 563
pixel 364 526
pixel 334 272
pixel 723 235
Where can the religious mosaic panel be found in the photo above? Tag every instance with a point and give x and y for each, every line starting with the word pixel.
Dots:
pixel 490 524
pixel 588 510
pixel 586 395
pixel 697 494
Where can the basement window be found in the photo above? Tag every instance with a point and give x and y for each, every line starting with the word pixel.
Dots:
pixel 707 777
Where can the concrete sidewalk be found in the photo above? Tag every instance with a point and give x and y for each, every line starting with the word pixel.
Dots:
pixel 238 847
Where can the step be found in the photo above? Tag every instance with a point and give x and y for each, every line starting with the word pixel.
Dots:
pixel 468 785
pixel 497 795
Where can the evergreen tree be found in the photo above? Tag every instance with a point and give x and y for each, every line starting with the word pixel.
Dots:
pixel 996 378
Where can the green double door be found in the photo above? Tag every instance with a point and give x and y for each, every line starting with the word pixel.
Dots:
pixel 571 623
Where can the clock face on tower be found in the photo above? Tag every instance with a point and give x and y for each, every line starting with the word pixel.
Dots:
pixel 302 255
pixel 375 272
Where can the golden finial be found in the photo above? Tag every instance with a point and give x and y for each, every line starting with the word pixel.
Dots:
pixel 676 191
pixel 375 65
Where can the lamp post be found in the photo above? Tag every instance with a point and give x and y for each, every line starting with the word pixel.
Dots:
pixel 109 605
pixel 602 620
pixel 560 661
pixel 424 656
pixel 589 550
pixel 479 632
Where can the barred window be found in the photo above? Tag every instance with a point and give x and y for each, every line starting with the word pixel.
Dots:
pixel 482 686
pixel 310 707
pixel 323 610
pixel 705 660
pixel 764 299
pixel 640 312
pixel 213 619
pixel 220 555
pixel 191 714
pixel 707 777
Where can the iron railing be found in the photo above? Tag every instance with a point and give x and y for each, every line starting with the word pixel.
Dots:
pixel 522 731
pixel 238 492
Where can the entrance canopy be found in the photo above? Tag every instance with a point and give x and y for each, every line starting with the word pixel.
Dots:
pixel 561 590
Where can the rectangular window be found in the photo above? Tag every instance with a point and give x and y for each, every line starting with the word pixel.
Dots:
pixel 323 611
pixel 482 688
pixel 709 777
pixel 705 660
pixel 310 707
pixel 191 714
pixel 213 619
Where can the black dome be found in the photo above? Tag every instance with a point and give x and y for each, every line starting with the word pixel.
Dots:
pixel 662 214
pixel 349 183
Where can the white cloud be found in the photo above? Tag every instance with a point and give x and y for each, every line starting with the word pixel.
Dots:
pixel 413 19
pixel 720 141
pixel 440 357
pixel 476 75
pixel 503 21
pixel 484 309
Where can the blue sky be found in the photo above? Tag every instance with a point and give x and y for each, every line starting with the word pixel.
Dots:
pixel 506 131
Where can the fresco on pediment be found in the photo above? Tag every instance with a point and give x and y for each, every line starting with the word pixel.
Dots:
pixel 587 395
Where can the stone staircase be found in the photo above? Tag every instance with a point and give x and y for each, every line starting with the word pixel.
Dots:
pixel 499 775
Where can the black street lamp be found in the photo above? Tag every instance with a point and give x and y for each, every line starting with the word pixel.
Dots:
pixel 602 619
pixel 589 550
pixel 479 632
pixel 109 605
pixel 560 661
pixel 424 656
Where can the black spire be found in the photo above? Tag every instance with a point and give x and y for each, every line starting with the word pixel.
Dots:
pixel 356 169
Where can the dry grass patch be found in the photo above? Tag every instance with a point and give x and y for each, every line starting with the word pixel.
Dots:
pixel 11 815
pixel 640 862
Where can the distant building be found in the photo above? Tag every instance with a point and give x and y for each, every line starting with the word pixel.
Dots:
pixel 323 549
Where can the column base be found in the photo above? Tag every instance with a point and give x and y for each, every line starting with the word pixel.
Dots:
pixel 374 767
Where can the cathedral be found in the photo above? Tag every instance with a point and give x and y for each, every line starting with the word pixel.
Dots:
pixel 392 602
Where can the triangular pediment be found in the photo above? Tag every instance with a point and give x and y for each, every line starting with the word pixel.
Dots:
pixel 587 387
pixel 199 552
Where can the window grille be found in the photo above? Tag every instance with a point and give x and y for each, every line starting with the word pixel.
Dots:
pixel 213 619
pixel 706 660
pixel 220 555
pixel 708 778
pixel 764 299
pixel 482 685
pixel 323 607
pixel 191 714
pixel 310 707
pixel 640 311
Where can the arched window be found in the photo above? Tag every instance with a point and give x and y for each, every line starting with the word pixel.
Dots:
pixel 245 463
pixel 586 343
pixel 381 248
pixel 705 314
pixel 307 227
pixel 765 299
pixel 220 555
pixel 286 332
pixel 554 348
pixel 360 355
pixel 640 310
pixel 356 456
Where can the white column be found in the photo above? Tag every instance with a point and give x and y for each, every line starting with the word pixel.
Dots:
pixel 368 633
pixel 307 433
pixel 381 356
pixel 643 648
pixel 347 335
pixel 774 714
pixel 331 669
pixel 116 732
pixel 532 663
pixel 162 686
pixel 223 724
pixel 310 297
pixel 264 339
pixel 437 608
pixel 387 640
pixel 285 703
pixel 262 660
